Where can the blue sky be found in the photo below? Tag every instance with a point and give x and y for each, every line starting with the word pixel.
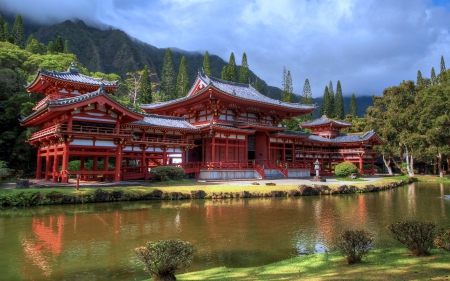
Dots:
pixel 368 45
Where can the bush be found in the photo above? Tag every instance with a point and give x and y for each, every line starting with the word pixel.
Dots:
pixel 416 236
pixel 167 173
pixel 443 241
pixel 345 168
pixel 4 171
pixel 163 258
pixel 354 244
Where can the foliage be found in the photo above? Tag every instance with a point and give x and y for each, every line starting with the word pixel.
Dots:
pixel 232 69
pixel 145 89
pixel 442 241
pixel 327 103
pixel 164 257
pixel 182 87
pixel 206 64
pixel 287 95
pixel 354 244
pixel 352 110
pixel 339 103
pixel 59 47
pixel 244 72
pixel 17 32
pixel 4 171
pixel 416 236
pixel 345 168
pixel 224 74
pixel 307 94
pixel 167 172
pixel 168 82
pixel 2 30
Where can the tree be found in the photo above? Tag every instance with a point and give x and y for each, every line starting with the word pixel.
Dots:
pixel 433 77
pixel 59 47
pixel 168 83
pixel 224 75
pixel 145 88
pixel 306 94
pixel 256 86
pixel 8 34
pixel 244 73
pixel 206 64
pixel 17 32
pixel 287 95
pixel 133 82
pixel 325 102
pixel 330 110
pixel 182 79
pixel 2 30
pixel 51 47
pixel 443 73
pixel 36 47
pixel 352 110
pixel 339 103
pixel 66 47
pixel 420 81
pixel 232 70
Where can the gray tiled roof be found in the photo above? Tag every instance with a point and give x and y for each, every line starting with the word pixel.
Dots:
pixel 164 121
pixel 324 120
pixel 344 138
pixel 242 91
pixel 74 76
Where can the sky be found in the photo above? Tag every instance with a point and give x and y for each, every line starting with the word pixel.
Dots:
pixel 368 45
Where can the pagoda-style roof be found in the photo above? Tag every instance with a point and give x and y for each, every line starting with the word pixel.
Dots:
pixel 51 107
pixel 346 138
pixel 240 93
pixel 154 120
pixel 72 77
pixel 325 121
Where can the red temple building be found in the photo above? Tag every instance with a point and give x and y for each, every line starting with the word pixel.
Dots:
pixel 219 130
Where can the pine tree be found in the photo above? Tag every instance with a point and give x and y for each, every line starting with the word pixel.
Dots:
pixel 224 75
pixel 29 39
pixel 168 82
pixel 17 32
pixel 256 86
pixel 182 79
pixel 307 94
pixel 331 98
pixel 443 70
pixel 420 81
pixel 339 102
pixel 244 73
pixel 289 88
pixel 7 33
pixel 232 70
pixel 206 64
pixel 35 47
pixel 283 84
pixel 59 47
pixel 51 47
pixel 145 87
pixel 2 30
pixel 433 77
pixel 66 47
pixel 352 108
pixel 325 102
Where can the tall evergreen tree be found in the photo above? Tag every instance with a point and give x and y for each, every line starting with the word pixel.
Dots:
pixel 145 87
pixel 59 47
pixel 2 30
pixel 352 110
pixel 168 82
pixel 206 64
pixel 443 73
pixel 51 47
pixel 325 102
pixel 331 98
pixel 442 65
pixel 289 88
pixel 66 47
pixel 232 69
pixel 17 32
pixel 339 102
pixel 433 77
pixel 224 73
pixel 244 73
pixel 256 86
pixel 182 79
pixel 8 34
pixel 35 47
pixel 283 84
pixel 306 94
pixel 420 81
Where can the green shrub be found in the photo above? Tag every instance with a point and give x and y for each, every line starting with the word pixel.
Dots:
pixel 345 168
pixel 163 258
pixel 354 244
pixel 443 241
pixel 416 236
pixel 167 173
pixel 4 171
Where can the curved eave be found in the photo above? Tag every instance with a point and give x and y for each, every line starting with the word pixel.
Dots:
pixel 163 128
pixel 325 125
pixel 281 135
pixel 219 128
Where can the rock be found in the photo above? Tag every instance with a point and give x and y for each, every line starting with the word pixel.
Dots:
pixel 22 184
pixel 294 192
pixel 255 183
pixel 198 194
pixel 307 190
pixel 270 183
pixel 276 193
pixel 157 194
pixel 244 194
pixel 100 195
pixel 176 195
pixel 343 189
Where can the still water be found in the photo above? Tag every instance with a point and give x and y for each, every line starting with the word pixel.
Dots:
pixel 95 241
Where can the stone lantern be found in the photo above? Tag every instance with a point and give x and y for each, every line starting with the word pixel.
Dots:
pixel 317 177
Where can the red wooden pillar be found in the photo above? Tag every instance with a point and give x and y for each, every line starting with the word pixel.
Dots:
pixel 65 163
pixel 117 171
pixel 39 164
pixel 268 148
pixel 47 164
pixel 373 166
pixel 82 163
pixel 105 163
pixel 226 147
pixel 69 122
pixel 55 162
pixel 360 162
pixel 284 152
pixel 164 149
pixel 213 148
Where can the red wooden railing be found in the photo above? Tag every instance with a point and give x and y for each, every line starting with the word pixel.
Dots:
pixel 167 140
pixel 260 170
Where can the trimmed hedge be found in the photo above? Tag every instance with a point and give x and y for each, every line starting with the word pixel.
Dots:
pixel 346 168
pixel 167 173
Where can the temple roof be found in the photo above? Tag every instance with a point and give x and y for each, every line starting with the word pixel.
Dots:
pixel 241 91
pixel 323 121
pixel 344 138
pixel 164 121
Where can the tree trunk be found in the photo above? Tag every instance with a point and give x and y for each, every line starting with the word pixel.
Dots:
pixel 398 166
pixel 386 163
pixel 411 172
pixel 439 164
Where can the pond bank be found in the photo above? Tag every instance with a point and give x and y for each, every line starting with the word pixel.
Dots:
pixel 52 196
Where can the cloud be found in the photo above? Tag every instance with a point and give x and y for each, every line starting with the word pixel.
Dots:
pixel 367 45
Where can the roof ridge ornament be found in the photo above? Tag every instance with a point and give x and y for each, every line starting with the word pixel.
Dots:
pixel 72 68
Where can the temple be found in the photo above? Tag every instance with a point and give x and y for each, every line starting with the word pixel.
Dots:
pixel 219 130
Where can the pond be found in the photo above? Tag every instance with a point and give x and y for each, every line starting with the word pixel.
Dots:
pixel 95 241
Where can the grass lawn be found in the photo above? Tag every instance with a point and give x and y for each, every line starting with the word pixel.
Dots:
pixel 381 264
